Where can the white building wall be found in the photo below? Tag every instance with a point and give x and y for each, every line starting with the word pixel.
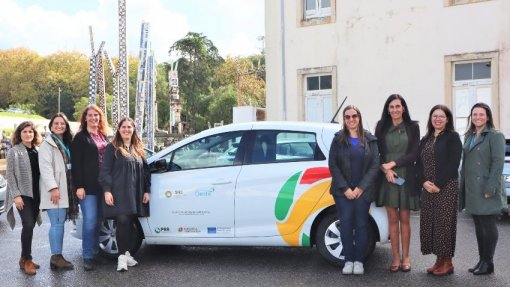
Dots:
pixel 384 47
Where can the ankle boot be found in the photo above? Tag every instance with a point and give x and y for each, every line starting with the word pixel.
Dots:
pixel 439 262
pixel 445 269
pixel 29 267
pixel 475 267
pixel 484 268
pixel 59 262
pixel 22 263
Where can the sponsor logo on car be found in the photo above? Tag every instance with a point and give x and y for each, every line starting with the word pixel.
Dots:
pixel 189 229
pixel 291 210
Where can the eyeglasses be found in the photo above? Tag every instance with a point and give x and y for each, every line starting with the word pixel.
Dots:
pixel 438 117
pixel 348 117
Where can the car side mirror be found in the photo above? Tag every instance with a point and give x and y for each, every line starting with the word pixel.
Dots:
pixel 159 166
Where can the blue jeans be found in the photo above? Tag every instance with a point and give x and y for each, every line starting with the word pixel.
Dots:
pixel 56 234
pixel 353 216
pixel 90 232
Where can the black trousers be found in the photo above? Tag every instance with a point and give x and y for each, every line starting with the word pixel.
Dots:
pixel 28 216
pixel 123 232
pixel 486 236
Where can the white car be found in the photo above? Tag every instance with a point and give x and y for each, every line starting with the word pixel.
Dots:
pixel 3 188
pixel 274 191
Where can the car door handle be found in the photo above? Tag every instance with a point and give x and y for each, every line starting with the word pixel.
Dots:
pixel 222 181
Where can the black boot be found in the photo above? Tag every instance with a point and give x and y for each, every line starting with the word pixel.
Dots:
pixel 476 266
pixel 484 268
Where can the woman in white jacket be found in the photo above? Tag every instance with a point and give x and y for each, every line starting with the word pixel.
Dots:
pixel 56 193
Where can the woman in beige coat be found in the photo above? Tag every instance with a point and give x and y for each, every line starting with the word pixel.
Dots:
pixel 55 166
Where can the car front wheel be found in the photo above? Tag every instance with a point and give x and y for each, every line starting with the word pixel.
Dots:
pixel 108 239
pixel 329 243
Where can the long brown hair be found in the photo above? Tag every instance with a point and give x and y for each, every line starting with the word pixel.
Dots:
pixel 490 121
pixel 103 125
pixel 16 136
pixel 136 143
pixel 449 116
pixel 344 138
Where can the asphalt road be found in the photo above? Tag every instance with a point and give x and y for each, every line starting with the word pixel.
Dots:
pixel 247 266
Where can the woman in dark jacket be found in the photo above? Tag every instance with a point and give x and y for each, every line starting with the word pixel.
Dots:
pixel 398 138
pixel 482 183
pixel 87 152
pixel 353 163
pixel 125 180
pixel 438 163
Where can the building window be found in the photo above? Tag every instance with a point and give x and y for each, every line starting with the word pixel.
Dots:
pixel 317 8
pixel 461 2
pixel 316 12
pixel 318 98
pixel 471 78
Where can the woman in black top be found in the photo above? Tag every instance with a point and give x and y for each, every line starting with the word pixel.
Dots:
pixel 438 164
pixel 125 180
pixel 87 152
pixel 23 189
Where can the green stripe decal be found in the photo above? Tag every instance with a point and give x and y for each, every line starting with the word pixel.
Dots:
pixel 305 240
pixel 286 197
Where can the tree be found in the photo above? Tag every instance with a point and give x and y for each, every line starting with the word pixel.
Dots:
pixel 199 59
pixel 20 70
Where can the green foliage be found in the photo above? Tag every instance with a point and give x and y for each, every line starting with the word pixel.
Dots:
pixel 198 61
pixel 220 109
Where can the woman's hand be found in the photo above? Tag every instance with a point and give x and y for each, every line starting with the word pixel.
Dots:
pixel 18 201
pixel 390 175
pixel 55 196
pixel 146 197
pixel 358 192
pixel 430 187
pixel 349 194
pixel 108 198
pixel 80 193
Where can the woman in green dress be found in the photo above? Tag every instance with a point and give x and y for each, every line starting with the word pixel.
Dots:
pixel 398 138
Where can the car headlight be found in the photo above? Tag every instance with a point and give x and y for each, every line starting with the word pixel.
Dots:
pixel 3 182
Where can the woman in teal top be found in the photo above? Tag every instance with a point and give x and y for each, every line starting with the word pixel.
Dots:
pixel 398 139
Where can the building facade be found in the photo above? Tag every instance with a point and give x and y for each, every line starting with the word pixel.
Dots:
pixel 453 52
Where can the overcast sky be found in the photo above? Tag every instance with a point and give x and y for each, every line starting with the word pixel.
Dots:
pixel 47 26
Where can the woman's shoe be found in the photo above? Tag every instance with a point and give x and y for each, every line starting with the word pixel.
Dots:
pixel 29 267
pixel 405 268
pixel 122 263
pixel 485 268
pixel 22 263
pixel 394 268
pixel 439 262
pixel 130 260
pixel 59 262
pixel 445 269
pixel 475 267
pixel 88 264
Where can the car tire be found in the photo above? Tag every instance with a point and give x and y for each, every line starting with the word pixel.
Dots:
pixel 108 247
pixel 328 240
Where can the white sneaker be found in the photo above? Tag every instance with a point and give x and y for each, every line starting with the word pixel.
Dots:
pixel 358 268
pixel 348 268
pixel 122 263
pixel 130 260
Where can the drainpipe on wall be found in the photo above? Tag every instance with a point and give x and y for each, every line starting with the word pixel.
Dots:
pixel 282 35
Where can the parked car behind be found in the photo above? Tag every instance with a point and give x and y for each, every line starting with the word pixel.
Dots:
pixel 506 170
pixel 3 188
pixel 249 184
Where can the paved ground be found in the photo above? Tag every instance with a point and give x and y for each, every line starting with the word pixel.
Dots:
pixel 247 266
